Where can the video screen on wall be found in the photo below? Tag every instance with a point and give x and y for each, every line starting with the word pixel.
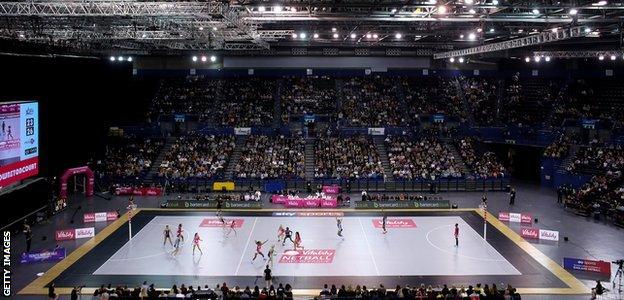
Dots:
pixel 19 141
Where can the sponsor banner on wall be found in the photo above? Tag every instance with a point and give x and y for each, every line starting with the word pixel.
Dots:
pixel 144 191
pixel 72 234
pixel 515 217
pixel 57 254
pixel 395 223
pixel 542 234
pixel 331 214
pixel 312 256
pixel 403 204
pixel 214 222
pixel 376 131
pixel 99 217
pixel 242 130
pixel 213 204
pixel 594 266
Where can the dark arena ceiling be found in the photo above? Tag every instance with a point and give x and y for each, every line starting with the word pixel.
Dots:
pixel 437 28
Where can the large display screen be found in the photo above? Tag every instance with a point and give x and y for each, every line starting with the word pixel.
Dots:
pixel 19 141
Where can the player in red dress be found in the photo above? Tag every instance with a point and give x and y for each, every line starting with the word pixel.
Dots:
pixel 456 234
pixel 180 232
pixel 196 240
pixel 259 249
pixel 232 226
pixel 298 241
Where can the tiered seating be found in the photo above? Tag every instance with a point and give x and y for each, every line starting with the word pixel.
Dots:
pixel 431 95
pixel 372 101
pixel 560 147
pixel 230 102
pixel 529 101
pixel 271 157
pixel 424 159
pixel 197 156
pixel 481 95
pixel 484 165
pixel 130 157
pixel 354 157
pixel 314 95
pixel 597 160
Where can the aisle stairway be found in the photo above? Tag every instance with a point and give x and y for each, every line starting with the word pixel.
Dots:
pixel 238 148
pixel 153 170
pixel 383 156
pixel 310 159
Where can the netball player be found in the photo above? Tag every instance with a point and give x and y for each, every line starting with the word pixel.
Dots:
pixel 196 240
pixel 456 234
pixel 232 226
pixel 297 242
pixel 383 223
pixel 167 233
pixel 280 233
pixel 287 235
pixel 259 250
pixel 179 232
pixel 271 254
pixel 339 225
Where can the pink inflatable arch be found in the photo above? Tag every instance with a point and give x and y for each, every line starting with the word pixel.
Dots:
pixel 73 171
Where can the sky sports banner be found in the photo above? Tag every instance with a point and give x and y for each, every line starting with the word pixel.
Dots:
pixel 99 217
pixel 19 141
pixel 73 234
pixel 57 254
pixel 541 234
pixel 515 217
pixel 586 265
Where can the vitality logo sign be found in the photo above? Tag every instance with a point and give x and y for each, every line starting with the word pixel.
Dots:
pixel 312 256
pixel 214 222
pixel 395 223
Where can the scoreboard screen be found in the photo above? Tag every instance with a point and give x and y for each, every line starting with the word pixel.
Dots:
pixel 19 141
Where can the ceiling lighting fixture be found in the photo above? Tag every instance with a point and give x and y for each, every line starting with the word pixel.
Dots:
pixel 535 11
pixel 479 30
pixel 302 35
pixel 520 30
pixel 335 35
pixel 316 35
pixel 527 59
pixel 353 36
pixel 201 28
pixel 368 35
pixel 573 11
pixel 555 29
pixel 293 9
pixel 294 35
pixel 333 29
pixel 213 58
pixel 537 58
pixel 492 30
pixel 394 10
pixel 112 58
pixel 613 57
pixel 194 58
pixel 398 36
pixel 495 2
pixel 441 9
pixel 468 2
pixel 261 9
pixel 204 59
pixel 601 57
pixel 461 60
pixel 600 3
pixel 375 36
pixel 277 8
pixel 452 59
pixel 461 36
pixel 587 30
pixel 472 36
pixel 214 28
pixel 547 58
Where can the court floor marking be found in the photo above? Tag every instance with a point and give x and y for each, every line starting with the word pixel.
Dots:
pixel 457 254
pixel 246 245
pixel 368 245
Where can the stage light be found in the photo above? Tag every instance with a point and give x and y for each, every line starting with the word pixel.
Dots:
pixel 130 58
pixel 461 36
pixel 573 11
pixel 452 59
pixel 353 36
pixel 601 57
pixel 294 35
pixel 468 1
pixel 112 58
pixel 472 36
pixel 201 28
pixel 213 58
pixel 472 11
pixel 613 57
pixel 121 58
pixel 398 36
pixel 537 58
pixel 441 9
pixel 527 59
pixel 431 2
pixel 535 11
pixel 214 28
pixel 479 30
pixel 587 30
pixel 333 29
pixel 492 30
pixel 194 58
pixel 394 10
pixel 293 9
pixel 277 8
pixel 261 8
pixel 204 59
pixel 303 35
pixel 316 35
pixel 375 36
pixel 461 60
pixel 547 58
pixel 495 2
pixel 335 35
pixel 368 36
pixel 520 30
pixel 555 29
pixel 600 3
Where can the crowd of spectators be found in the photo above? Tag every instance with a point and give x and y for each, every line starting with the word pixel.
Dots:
pixel 129 156
pixel 193 95
pixel 421 159
pixel 308 95
pixel 197 156
pixel 221 291
pixel 230 196
pixel 597 159
pixel 372 101
pixel 271 157
pixel 432 95
pixel 481 96
pixel 383 197
pixel 350 158
pixel 420 292
pixel 560 147
pixel 481 165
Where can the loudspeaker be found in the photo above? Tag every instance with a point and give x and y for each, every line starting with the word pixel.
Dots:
pixel 565 238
